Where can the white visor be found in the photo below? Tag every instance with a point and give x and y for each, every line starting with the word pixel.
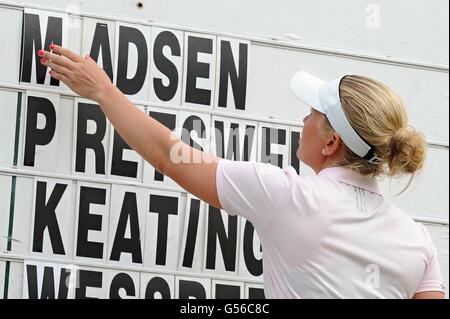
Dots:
pixel 324 97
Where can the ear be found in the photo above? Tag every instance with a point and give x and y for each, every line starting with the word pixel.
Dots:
pixel 332 145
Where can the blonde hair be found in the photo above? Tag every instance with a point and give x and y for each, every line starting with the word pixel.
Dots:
pixel 379 117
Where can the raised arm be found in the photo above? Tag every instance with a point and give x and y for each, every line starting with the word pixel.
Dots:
pixel 192 169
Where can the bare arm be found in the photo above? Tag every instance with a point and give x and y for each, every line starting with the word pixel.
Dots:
pixel 429 295
pixel 192 169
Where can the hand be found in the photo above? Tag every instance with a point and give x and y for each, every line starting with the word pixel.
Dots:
pixel 82 75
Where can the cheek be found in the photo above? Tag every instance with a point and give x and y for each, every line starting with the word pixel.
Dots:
pixel 309 141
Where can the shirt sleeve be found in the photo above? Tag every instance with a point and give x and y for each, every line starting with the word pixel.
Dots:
pixel 252 189
pixel 432 279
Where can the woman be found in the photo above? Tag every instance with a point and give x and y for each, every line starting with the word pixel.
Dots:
pixel 332 235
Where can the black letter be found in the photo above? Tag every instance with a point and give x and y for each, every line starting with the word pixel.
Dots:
pixel 228 292
pixel 294 145
pixel 166 93
pixel 269 134
pixel 228 243
pixel 163 206
pixel 130 245
pixel 101 41
pixel 131 35
pixel 193 123
pixel 33 42
pixel 121 280
pixel 197 69
pixel 191 236
pixel 254 265
pixel 119 166
pixel 191 289
pixel 157 284
pixel 256 293
pixel 93 141
pixel 88 222
pixel 228 68
pixel 33 135
pixel 87 278
pixel 45 217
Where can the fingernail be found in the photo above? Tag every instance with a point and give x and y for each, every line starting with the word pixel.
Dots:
pixel 50 72
pixel 41 52
pixel 43 60
pixel 52 46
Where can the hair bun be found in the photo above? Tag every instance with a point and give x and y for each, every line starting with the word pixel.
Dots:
pixel 406 152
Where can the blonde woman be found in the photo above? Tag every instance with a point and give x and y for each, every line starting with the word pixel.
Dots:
pixel 332 235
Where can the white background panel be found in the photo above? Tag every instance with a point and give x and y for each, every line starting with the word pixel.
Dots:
pixel 14 281
pixel 64 217
pixel 174 227
pixel 10 32
pixel 2 277
pixel 8 112
pixel 147 277
pixel 273 98
pixel 117 203
pixel 15 278
pixel 98 236
pixel 176 60
pixel 380 27
pixel 23 209
pixel 65 136
pixel 320 23
pixel 204 83
pixel 5 200
pixel 130 292
pixel 427 196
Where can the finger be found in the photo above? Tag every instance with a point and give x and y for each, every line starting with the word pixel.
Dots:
pixel 66 52
pixel 56 67
pixel 58 59
pixel 59 76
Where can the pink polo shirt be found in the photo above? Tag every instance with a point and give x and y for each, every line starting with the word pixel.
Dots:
pixel 332 235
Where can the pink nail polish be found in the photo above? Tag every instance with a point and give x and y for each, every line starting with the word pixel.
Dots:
pixel 52 46
pixel 41 52
pixel 43 60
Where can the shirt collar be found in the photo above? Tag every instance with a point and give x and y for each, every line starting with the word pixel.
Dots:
pixel 351 177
